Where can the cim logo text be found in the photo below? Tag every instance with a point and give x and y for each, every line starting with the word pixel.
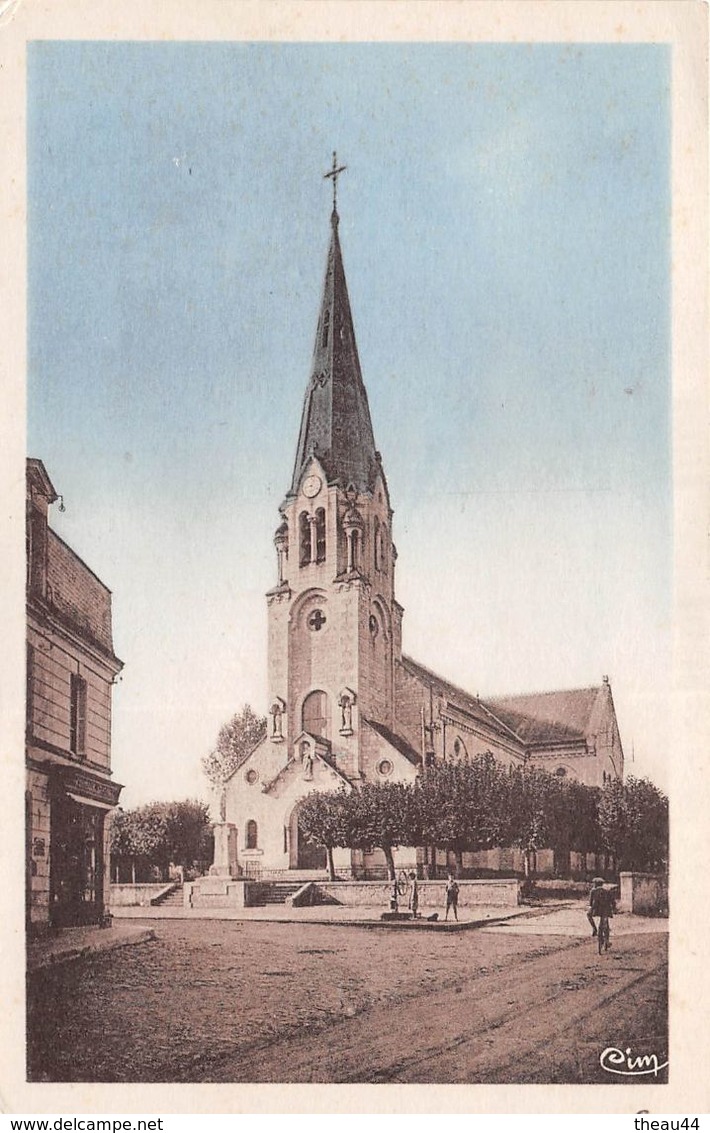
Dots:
pixel 616 1061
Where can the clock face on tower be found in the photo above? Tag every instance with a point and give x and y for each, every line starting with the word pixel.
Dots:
pixel 311 486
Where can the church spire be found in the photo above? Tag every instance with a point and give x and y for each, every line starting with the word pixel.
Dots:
pixel 336 425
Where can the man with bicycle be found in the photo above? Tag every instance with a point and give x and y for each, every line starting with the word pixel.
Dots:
pixel 601 903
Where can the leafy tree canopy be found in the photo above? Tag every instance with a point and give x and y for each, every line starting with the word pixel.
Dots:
pixel 633 817
pixel 235 741
pixel 163 832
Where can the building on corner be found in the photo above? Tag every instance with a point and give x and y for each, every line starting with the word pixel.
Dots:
pixel 71 668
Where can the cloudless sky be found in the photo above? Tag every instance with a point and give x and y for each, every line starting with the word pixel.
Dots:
pixel 505 230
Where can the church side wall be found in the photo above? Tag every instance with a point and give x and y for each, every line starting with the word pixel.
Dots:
pixel 409 701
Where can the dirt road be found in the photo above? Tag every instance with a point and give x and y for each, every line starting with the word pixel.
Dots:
pixel 221 1002
pixel 543 1019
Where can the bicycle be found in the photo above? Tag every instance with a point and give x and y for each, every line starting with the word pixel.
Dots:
pixel 604 934
pixel 402 883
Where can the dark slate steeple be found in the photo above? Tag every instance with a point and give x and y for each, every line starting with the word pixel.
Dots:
pixel 336 425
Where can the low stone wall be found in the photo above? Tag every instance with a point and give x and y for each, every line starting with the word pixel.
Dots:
pixel 128 894
pixel 432 894
pixel 645 894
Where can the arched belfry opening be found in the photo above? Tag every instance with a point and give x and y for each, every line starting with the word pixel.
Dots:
pixel 315 714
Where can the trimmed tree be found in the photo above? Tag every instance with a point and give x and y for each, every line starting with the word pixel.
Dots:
pixel 323 817
pixel 463 805
pixel 383 815
pixel 527 822
pixel 633 817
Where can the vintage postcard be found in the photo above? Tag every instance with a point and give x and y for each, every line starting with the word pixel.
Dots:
pixel 355 385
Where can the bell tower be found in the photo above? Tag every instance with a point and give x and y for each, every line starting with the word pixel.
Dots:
pixel 334 624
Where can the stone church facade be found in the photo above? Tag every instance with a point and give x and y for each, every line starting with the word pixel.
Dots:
pixel 345 704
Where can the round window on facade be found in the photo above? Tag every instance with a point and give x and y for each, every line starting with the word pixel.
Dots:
pixel 251 776
pixel 316 621
pixel 385 767
pixel 561 771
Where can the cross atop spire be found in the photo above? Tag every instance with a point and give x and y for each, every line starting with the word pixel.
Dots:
pixel 333 174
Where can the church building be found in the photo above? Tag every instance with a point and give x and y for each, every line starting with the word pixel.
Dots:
pixel 345 704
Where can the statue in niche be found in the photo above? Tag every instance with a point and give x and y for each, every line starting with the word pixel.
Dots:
pixel 346 713
pixel 277 711
pixel 307 759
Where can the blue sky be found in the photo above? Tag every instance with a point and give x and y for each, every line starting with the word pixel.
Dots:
pixel 505 230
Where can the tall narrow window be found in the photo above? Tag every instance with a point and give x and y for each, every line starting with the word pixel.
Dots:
pixel 252 833
pixel 376 541
pixel 314 717
pixel 320 535
pixel 383 547
pixel 326 328
pixel 77 715
pixel 304 531
pixel 356 550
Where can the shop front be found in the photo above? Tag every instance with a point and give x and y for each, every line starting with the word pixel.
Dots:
pixel 79 846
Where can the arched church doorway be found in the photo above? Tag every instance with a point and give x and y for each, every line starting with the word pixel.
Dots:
pixel 303 853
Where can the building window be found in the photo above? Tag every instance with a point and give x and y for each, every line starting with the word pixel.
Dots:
pixel 561 772
pixel 320 535
pixel 77 715
pixel 252 835
pixel 314 716
pixel 251 776
pixel 376 541
pixel 304 529
pixel 385 767
pixel 326 328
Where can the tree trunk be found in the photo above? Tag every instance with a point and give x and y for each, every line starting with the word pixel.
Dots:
pixel 133 870
pixel 459 863
pixel 390 862
pixel 529 860
pixel 331 864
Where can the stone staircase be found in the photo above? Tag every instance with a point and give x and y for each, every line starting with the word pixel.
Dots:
pixel 173 899
pixel 272 892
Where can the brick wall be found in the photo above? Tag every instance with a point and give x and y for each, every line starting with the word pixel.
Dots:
pixel 76 594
